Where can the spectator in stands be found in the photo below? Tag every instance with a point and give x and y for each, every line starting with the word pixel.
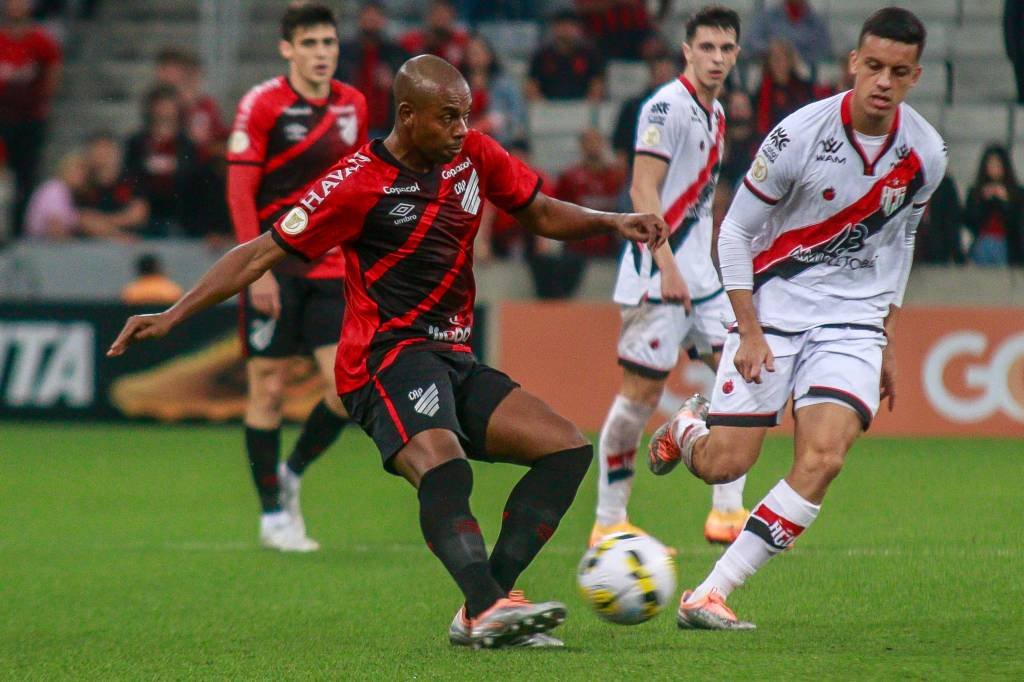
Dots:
pixel 938 234
pixel 30 64
pixel 161 162
pixel 204 123
pixel 596 182
pixel 620 27
pixel 442 36
pixel 476 11
pixel 993 212
pixel 369 63
pixel 1013 37
pixel 843 82
pixel 151 285
pixel 660 70
pixel 741 138
pixel 500 235
pixel 51 212
pixel 498 106
pixel 783 89
pixel 567 66
pixel 109 206
pixel 794 21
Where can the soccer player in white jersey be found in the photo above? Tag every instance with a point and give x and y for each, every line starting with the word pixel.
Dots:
pixel 814 253
pixel 672 299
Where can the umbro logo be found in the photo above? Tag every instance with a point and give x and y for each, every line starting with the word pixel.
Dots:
pixel 660 108
pixel 427 400
pixel 401 210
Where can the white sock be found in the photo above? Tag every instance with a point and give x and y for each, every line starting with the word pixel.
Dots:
pixel 616 453
pixel 728 497
pixel 775 523
pixel 692 428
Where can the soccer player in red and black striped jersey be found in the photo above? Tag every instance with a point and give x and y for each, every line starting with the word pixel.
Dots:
pixel 288 131
pixel 405 211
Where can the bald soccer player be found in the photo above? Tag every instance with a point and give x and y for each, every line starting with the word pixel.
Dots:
pixel 405 211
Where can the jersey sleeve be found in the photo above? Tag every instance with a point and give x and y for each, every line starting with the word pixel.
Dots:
pixel 329 214
pixel 934 171
pixel 776 164
pixel 660 130
pixel 247 143
pixel 505 181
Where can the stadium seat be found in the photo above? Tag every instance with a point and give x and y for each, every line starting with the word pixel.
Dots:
pixel 978 38
pixel 858 10
pixel 553 153
pixel 976 122
pixel 511 38
pixel 982 9
pixel 626 79
pixel 963 163
pixel 607 115
pixel 559 117
pixel 983 79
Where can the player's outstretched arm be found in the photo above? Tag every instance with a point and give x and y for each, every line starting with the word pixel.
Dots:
pixel 235 270
pixel 554 219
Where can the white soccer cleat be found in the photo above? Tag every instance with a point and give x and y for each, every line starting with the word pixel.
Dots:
pixel 289 484
pixel 279 531
pixel 509 621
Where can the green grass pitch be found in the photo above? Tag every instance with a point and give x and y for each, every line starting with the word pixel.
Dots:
pixel 129 552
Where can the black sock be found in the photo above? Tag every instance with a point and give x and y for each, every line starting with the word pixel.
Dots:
pixel 534 509
pixel 320 430
pixel 263 446
pixel 454 535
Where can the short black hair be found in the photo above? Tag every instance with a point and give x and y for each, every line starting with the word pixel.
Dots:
pixel 304 15
pixel 715 16
pixel 895 23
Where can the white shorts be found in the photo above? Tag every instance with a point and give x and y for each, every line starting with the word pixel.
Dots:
pixel 840 365
pixel 653 333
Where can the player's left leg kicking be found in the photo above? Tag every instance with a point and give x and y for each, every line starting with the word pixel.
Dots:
pixel 835 389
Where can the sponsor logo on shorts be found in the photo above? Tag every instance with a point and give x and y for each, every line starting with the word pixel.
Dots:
pixel 427 400
pixel 261 332
pixel 728 387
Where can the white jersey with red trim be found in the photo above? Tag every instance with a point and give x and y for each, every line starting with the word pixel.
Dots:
pixel 830 231
pixel 675 126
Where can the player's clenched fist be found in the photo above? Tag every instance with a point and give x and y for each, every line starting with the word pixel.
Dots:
pixel 137 328
pixel 643 227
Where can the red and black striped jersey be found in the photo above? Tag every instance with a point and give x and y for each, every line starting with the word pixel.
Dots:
pixel 408 244
pixel 290 140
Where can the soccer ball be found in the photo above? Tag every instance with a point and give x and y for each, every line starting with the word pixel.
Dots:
pixel 627 578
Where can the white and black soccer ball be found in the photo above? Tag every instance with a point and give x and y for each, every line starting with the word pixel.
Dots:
pixel 627 578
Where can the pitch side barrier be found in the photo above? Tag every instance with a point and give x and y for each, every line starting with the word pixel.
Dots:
pixel 53 366
pixel 960 370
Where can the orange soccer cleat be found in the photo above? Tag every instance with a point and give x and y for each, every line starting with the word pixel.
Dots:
pixel 724 527
pixel 708 613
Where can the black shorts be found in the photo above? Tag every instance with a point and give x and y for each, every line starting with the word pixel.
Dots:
pixel 429 389
pixel 311 315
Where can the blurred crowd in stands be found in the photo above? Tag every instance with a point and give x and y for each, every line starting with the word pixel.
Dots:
pixel 167 178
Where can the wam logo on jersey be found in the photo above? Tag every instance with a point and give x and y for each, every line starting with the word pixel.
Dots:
pixel 427 401
pixel 470 192
pixel 893 198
